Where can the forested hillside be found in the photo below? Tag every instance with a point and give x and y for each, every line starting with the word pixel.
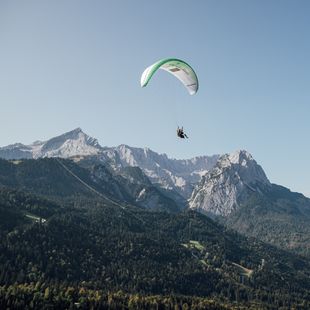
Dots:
pixel 86 252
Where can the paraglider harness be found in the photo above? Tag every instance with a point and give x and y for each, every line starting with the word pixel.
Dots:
pixel 181 134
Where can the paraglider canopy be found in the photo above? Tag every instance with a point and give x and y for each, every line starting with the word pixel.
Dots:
pixel 179 68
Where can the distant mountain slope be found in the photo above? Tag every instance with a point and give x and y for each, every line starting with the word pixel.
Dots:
pixel 135 184
pixel 47 177
pixel 66 179
pixel 277 216
pixel 238 191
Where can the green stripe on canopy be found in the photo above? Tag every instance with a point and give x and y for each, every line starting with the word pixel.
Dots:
pixel 179 68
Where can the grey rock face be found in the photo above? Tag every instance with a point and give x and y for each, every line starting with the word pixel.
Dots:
pixel 228 184
pixel 172 174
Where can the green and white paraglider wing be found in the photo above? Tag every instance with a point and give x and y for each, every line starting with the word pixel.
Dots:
pixel 179 68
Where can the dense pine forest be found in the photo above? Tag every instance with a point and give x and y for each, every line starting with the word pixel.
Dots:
pixel 64 246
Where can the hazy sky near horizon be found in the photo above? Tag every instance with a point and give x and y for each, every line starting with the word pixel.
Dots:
pixel 68 64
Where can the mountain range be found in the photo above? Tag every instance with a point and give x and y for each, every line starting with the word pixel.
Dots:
pixel 86 226
pixel 231 188
pixel 179 175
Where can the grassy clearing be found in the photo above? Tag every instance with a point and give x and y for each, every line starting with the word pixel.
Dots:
pixel 243 271
pixel 35 218
pixel 192 244
pixel 196 246
pixel 16 162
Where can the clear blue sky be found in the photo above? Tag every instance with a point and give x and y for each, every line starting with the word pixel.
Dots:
pixel 68 64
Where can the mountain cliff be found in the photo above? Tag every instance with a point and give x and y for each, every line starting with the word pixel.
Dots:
pixel 230 183
pixel 173 174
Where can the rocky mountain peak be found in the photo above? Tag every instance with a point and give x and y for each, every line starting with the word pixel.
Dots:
pixel 72 143
pixel 240 157
pixel 241 163
pixel 228 184
pixel 74 134
pixel 69 144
